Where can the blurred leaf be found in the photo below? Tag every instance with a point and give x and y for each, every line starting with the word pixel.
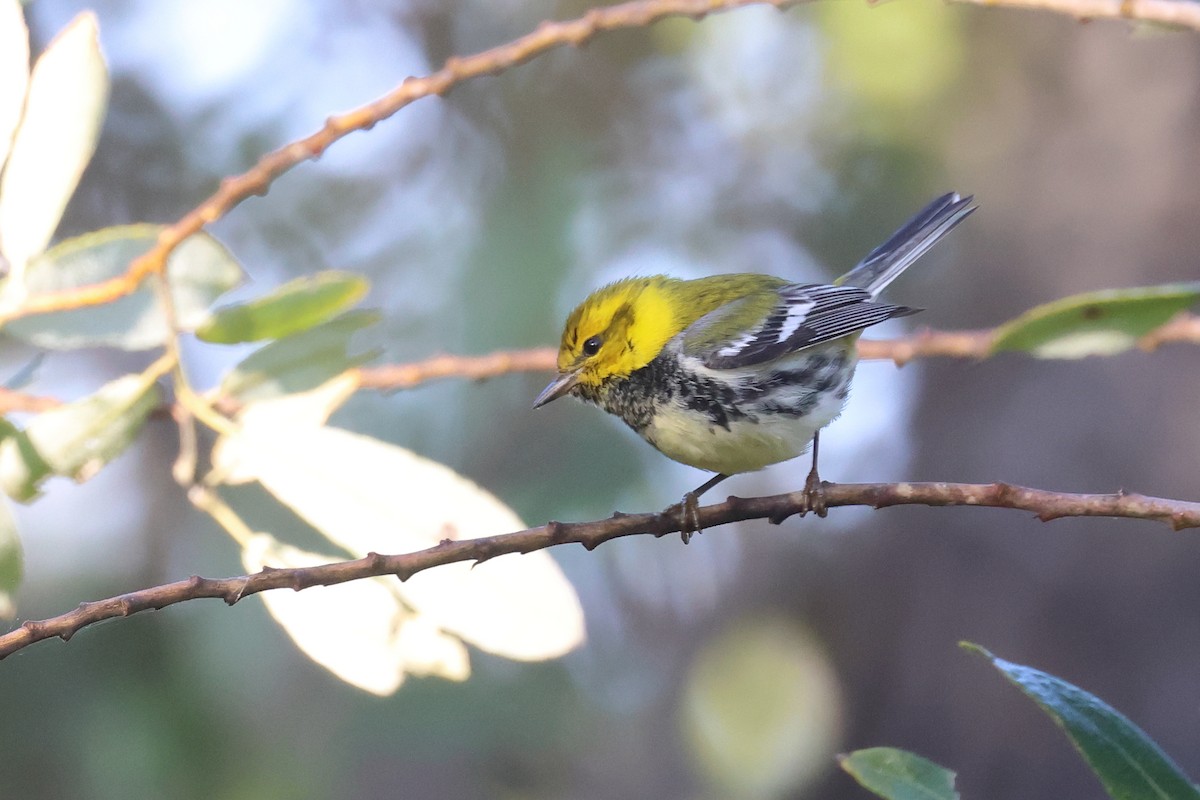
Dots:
pixel 518 606
pixel 14 71
pixel 860 56
pixel 200 271
pixel 22 469
pixel 761 710
pixel 25 374
pixel 78 438
pixel 1127 761
pixel 65 105
pixel 1096 323
pixel 12 562
pixel 294 307
pixel 899 775
pixel 301 361
pixel 366 495
pixel 360 631
pixel 302 410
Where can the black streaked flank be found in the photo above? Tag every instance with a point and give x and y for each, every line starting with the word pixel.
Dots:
pixel 663 384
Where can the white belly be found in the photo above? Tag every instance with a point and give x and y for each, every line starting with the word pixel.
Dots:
pixel 692 438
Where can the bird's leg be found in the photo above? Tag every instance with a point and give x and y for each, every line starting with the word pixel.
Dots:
pixel 688 509
pixel 814 492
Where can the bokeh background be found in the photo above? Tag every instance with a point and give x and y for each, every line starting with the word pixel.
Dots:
pixel 789 143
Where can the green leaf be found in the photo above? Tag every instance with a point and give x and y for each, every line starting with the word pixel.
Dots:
pixel 301 361
pixel 77 439
pixel 14 71
pixel 294 307
pixel 200 270
pixel 1096 323
pixel 899 775
pixel 12 562
pixel 1127 761
pixel 64 108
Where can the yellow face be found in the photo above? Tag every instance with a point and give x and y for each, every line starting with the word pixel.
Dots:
pixel 615 331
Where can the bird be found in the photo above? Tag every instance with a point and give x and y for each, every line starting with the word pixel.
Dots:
pixel 733 373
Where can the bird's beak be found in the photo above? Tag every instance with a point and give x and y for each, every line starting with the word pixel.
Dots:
pixel 557 388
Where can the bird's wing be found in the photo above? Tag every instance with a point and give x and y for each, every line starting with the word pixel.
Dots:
pixel 802 315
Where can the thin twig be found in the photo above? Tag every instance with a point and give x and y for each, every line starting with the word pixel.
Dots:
pixel 233 190
pixel 208 501
pixel 389 377
pixel 14 401
pixel 1046 505
pixel 928 343
pixel 184 468
pixel 1176 13
pixel 405 376
pixel 922 344
pixel 1185 328
pixel 548 36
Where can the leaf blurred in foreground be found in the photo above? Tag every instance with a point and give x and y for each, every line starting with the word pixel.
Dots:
pixel 300 362
pixel 1096 323
pixel 200 270
pixel 762 710
pixel 12 562
pixel 64 108
pixel 1127 761
pixel 25 374
pixel 77 439
pixel 14 71
pixel 899 775
pixel 366 495
pixel 361 631
pixel 294 307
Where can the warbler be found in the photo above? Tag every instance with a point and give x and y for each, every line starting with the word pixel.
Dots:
pixel 733 373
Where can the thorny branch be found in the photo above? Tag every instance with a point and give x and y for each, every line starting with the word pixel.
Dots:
pixel 776 508
pixel 258 179
pixel 549 35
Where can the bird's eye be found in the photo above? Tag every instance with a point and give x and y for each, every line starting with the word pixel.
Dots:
pixel 591 346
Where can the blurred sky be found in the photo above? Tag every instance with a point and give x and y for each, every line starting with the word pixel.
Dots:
pixel 789 143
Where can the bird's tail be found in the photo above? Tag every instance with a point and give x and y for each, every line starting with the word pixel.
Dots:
pixel 885 263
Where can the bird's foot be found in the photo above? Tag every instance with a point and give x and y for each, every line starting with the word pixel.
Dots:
pixel 687 511
pixel 814 495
